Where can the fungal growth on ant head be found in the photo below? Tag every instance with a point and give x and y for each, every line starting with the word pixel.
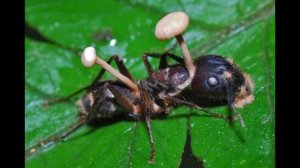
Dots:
pixel 187 82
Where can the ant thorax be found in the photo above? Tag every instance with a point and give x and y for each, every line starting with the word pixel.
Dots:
pixel 169 81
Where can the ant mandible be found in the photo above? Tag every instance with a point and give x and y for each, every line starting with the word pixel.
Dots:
pixel 208 77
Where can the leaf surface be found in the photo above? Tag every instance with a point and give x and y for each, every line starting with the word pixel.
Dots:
pixel 241 30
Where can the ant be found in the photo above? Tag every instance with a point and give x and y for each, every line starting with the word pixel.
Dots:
pixel 185 83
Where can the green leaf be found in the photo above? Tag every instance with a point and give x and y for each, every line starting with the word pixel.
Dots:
pixel 242 30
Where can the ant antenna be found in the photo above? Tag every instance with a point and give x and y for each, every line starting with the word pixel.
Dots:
pixel 89 58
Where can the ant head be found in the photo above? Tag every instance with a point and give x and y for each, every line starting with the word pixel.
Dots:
pixel 218 78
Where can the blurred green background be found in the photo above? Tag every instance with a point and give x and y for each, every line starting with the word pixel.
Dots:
pixel 239 29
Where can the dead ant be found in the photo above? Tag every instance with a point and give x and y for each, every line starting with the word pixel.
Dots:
pixel 208 77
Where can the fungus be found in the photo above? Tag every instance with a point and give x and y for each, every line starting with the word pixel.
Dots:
pixel 89 58
pixel 173 25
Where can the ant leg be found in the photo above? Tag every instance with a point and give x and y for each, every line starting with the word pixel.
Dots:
pixel 190 104
pixel 148 121
pixel 62 134
pixel 163 60
pixel 59 136
pixel 127 103
pixel 66 98
pixel 147 105
pixel 146 61
pixel 121 67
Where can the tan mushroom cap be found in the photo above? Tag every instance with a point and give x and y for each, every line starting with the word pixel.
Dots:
pixel 171 25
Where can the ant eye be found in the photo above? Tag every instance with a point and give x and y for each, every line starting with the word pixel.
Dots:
pixel 212 81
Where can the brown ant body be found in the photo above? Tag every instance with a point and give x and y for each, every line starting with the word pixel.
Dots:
pixel 209 77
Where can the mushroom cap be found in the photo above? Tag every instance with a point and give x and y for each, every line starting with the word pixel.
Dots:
pixel 88 57
pixel 171 25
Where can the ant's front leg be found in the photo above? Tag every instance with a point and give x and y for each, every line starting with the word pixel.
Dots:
pixel 163 60
pixel 122 68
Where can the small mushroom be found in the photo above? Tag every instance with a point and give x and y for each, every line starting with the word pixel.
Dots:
pixel 173 25
pixel 89 58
